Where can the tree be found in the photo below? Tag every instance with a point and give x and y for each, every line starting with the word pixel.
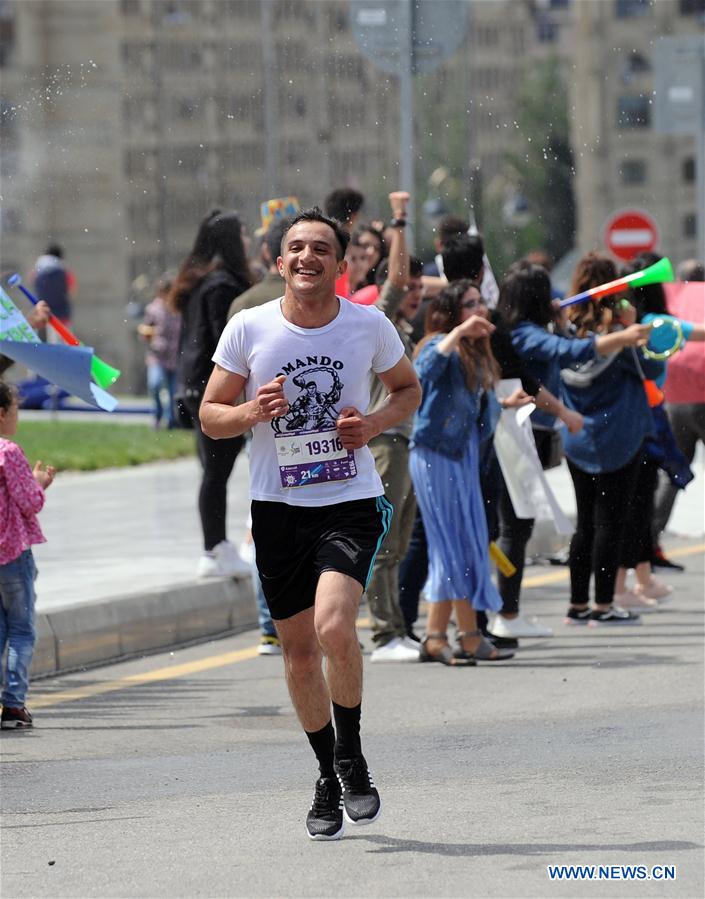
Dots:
pixel 543 173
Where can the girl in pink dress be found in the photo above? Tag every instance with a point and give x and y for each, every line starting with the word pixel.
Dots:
pixel 21 498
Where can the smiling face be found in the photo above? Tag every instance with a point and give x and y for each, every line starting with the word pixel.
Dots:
pixel 309 262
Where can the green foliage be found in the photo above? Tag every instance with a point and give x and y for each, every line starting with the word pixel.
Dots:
pixel 543 172
pixel 87 446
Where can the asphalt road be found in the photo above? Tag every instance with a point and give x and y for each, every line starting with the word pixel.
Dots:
pixel 185 774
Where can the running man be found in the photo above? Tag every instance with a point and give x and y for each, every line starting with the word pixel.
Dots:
pixel 318 510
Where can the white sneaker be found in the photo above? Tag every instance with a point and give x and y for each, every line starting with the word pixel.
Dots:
pixel 410 644
pixel 518 627
pixel 223 561
pixel 247 552
pixel 635 601
pixel 395 651
pixel 269 646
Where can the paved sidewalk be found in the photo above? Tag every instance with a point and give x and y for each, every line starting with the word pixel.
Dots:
pixel 117 575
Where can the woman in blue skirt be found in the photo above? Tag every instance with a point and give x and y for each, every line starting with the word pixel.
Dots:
pixel 457 370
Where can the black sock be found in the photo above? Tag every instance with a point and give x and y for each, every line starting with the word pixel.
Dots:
pixel 322 742
pixel 347 726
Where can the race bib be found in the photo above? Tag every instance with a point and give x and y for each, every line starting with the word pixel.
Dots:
pixel 314 457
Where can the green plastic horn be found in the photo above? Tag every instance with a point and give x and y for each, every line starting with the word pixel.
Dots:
pixel 103 374
pixel 657 273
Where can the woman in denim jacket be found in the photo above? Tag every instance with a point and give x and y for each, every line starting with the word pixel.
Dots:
pixel 456 367
pixel 526 307
pixel 603 458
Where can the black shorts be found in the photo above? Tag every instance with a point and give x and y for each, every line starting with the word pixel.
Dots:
pixel 295 544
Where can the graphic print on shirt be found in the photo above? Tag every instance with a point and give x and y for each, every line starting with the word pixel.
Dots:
pixel 309 450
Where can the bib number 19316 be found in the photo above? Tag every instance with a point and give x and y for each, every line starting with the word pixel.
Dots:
pixel 313 458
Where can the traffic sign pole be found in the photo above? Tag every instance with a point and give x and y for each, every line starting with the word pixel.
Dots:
pixel 406 111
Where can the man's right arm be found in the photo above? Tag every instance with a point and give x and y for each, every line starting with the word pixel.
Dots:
pixel 221 418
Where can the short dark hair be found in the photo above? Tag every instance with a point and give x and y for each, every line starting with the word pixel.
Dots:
pixel 274 236
pixel 525 295
pixel 55 249
pixel 415 267
pixel 342 203
pixel 8 395
pixel 691 270
pixel 316 214
pixel 449 226
pixel 462 257
pixel 651 297
pixel 382 270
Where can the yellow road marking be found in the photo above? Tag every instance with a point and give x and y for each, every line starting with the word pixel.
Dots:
pixel 45 700
pixel 687 550
pixel 555 577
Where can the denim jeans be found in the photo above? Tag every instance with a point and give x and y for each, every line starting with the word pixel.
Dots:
pixel 159 378
pixel 17 631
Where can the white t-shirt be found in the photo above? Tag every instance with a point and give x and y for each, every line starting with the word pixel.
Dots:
pixel 298 458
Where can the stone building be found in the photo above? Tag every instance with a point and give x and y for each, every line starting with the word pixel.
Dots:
pixel 620 161
pixel 123 121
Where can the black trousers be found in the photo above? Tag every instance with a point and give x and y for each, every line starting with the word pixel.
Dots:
pixel 217 459
pixel 515 533
pixel 602 500
pixel 637 539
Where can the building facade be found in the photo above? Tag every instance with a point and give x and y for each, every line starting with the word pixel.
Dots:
pixel 621 162
pixel 124 121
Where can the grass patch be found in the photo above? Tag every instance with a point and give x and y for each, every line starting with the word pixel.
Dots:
pixel 86 446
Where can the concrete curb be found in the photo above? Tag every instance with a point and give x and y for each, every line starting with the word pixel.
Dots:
pixel 88 634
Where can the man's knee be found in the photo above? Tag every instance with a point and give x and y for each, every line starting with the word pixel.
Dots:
pixel 302 660
pixel 335 633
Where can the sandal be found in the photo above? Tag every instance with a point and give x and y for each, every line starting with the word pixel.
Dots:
pixel 446 656
pixel 485 652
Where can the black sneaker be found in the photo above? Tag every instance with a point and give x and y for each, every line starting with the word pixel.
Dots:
pixel 577 616
pixel 12 718
pixel 325 818
pixel 659 560
pixel 502 642
pixel 613 615
pixel 361 801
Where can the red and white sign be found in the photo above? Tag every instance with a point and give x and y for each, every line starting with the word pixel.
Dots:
pixel 629 232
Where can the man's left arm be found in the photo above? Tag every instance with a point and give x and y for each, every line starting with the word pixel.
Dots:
pixel 403 398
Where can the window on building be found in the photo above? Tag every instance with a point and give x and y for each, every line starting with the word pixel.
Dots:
pixel 7 31
pixel 487 35
pixel 688 170
pixel 632 171
pixel 130 7
pixel 690 225
pixel 638 63
pixel 546 29
pixel 633 111
pixel 189 109
pixel 10 223
pixel 692 7
pixel 627 9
